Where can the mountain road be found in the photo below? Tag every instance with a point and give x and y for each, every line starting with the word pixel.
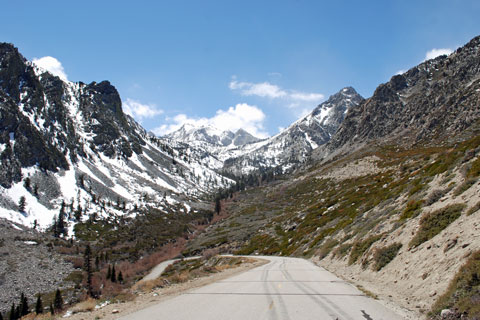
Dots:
pixel 283 289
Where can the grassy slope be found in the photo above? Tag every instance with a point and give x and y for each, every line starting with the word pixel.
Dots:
pixel 313 214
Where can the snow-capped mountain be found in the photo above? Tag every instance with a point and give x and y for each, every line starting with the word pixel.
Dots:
pixel 241 153
pixel 206 134
pixel 65 142
pixel 292 145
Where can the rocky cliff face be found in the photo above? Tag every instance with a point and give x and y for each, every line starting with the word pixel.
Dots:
pixel 431 102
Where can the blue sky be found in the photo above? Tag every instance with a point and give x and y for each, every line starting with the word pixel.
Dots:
pixel 259 64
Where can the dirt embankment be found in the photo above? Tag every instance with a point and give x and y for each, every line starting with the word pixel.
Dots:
pixel 418 275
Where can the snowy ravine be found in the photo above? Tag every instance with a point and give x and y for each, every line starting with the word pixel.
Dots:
pixel 71 143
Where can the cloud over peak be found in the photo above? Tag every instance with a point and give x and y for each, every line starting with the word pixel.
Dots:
pixel 140 111
pixel 52 65
pixel 432 54
pixel 272 91
pixel 242 116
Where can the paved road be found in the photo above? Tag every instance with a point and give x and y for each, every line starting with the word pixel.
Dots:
pixel 285 288
pixel 159 268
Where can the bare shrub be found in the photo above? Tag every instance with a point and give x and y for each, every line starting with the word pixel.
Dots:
pixel 436 195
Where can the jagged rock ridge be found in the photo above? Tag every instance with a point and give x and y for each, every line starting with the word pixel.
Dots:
pixel 429 103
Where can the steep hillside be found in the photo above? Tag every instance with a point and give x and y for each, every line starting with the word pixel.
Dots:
pixel 65 142
pixel 394 204
pixel 434 101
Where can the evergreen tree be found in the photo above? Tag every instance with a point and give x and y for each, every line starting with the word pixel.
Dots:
pixel 35 190
pixel 97 262
pixel 17 312
pixel 113 276
pixel 12 312
pixel 21 204
pixel 55 232
pixel 26 183
pixel 78 212
pixel 61 221
pixel 58 301
pixel 109 272
pixel 88 268
pixel 120 277
pixel 52 311
pixel 39 305
pixel 23 305
pixel 1 317
pixel 218 205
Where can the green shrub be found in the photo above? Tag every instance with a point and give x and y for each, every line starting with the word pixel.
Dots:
pixel 463 292
pixel 342 250
pixel 435 196
pixel 464 187
pixel 434 222
pixel 473 209
pixel 327 247
pixel 474 169
pixel 360 247
pixel 412 209
pixel 384 255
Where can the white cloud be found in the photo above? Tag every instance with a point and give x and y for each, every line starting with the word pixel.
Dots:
pixel 52 65
pixel 140 111
pixel 307 96
pixel 274 74
pixel 437 52
pixel 272 91
pixel 264 89
pixel 400 72
pixel 244 116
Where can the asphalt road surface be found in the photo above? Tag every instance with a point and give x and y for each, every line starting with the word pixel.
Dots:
pixel 285 288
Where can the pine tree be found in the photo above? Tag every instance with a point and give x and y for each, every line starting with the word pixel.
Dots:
pixel 109 272
pixel 61 221
pixel 26 183
pixel 1 317
pixel 35 190
pixel 52 311
pixel 120 277
pixel 218 205
pixel 78 212
pixel 97 262
pixel 113 276
pixel 55 227
pixel 39 305
pixel 88 269
pixel 58 301
pixel 23 305
pixel 21 204
pixel 12 312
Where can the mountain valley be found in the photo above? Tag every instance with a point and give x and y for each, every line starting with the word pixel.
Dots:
pixel 382 191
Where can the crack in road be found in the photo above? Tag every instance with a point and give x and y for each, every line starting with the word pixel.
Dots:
pixel 366 315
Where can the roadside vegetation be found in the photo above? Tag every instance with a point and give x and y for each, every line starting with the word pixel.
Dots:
pixel 434 222
pixel 462 297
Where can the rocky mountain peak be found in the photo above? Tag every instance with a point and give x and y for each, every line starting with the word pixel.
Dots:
pixel 292 146
pixel 207 134
pixel 430 103
pixel 242 137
